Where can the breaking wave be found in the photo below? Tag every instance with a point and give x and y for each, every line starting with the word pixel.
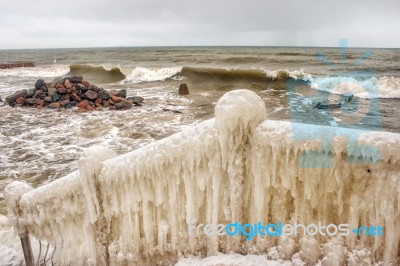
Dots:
pixel 141 74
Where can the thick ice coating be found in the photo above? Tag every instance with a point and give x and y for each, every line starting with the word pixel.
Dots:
pixel 137 208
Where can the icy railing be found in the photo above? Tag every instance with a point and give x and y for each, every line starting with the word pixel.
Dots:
pixel 137 207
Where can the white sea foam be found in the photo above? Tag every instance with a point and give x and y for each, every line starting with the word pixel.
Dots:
pixel 141 74
pixel 42 145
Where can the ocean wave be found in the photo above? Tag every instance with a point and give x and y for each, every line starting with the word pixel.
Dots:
pixel 372 87
pixel 98 74
pixel 141 74
pixel 254 75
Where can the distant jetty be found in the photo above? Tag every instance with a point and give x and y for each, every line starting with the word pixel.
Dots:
pixel 16 64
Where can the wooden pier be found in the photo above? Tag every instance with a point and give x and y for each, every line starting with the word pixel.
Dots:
pixel 16 64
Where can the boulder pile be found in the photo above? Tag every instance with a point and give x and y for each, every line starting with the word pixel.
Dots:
pixel 70 92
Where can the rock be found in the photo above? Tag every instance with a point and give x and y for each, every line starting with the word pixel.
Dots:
pixel 20 100
pixel 113 93
pixel 71 104
pixel 64 97
pixel 183 89
pixel 112 108
pixel 58 80
pixel 74 79
pixel 12 98
pixel 62 90
pixel 69 92
pixel 83 104
pixel 51 91
pixel 41 96
pixel 54 105
pixel 84 89
pixel 48 99
pixel 119 106
pixel 75 97
pixel 170 110
pixel 103 94
pixel 64 103
pixel 94 88
pixel 39 83
pixel 56 97
pixel 117 99
pixel 328 106
pixel 125 104
pixel 67 84
pixel 90 95
pixel 30 94
pixel 30 101
pixel 51 85
pixel 137 100
pixel 79 85
pixel 122 93
pixel 39 103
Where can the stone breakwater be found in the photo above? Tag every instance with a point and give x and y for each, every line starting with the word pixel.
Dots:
pixel 72 92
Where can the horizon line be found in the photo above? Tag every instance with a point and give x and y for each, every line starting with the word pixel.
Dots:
pixel 194 46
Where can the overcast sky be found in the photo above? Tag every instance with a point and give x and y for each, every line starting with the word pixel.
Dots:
pixel 95 23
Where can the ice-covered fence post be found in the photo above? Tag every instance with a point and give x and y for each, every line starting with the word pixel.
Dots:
pixel 237 114
pixel 90 165
pixel 12 195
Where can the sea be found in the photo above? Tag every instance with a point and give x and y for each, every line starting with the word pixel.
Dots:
pixel 339 87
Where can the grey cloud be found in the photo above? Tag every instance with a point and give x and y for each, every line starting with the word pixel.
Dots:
pixel 46 23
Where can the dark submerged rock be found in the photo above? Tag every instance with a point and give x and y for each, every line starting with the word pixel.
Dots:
pixel 183 89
